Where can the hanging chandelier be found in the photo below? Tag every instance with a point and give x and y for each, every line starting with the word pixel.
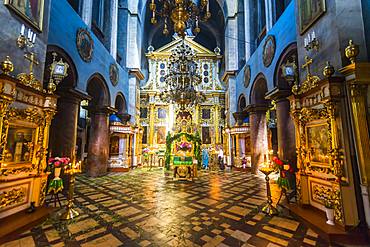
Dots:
pixel 181 14
pixel 182 79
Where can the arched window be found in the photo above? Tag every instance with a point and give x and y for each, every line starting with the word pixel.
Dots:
pixel 76 5
pixel 261 24
pixel 101 20
pixel 280 6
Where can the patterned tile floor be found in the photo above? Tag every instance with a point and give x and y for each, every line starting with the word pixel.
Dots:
pixel 143 208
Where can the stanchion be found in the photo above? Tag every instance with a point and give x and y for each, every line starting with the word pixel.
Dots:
pixel 268 208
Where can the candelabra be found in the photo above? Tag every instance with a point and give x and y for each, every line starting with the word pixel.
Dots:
pixel 70 212
pixel 23 41
pixel 311 42
pixel 183 14
pixel 268 208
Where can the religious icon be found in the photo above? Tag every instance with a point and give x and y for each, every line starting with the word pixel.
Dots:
pixel 206 113
pixel 206 135
pixel 162 114
pixel 19 144
pixel 309 12
pixel 85 44
pixel 269 50
pixel 317 140
pixel 30 10
pixel 161 135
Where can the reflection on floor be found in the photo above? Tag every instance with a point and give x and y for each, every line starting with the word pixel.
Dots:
pixel 144 208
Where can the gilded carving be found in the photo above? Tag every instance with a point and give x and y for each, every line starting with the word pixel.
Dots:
pixel 11 197
pixel 42 192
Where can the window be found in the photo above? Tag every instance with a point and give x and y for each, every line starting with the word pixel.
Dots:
pixel 75 4
pixel 281 5
pixel 101 20
pixel 261 24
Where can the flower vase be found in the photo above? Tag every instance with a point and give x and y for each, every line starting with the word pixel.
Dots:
pixel 330 216
pixel 57 171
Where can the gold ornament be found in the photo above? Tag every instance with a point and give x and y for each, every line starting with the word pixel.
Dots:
pixel 352 51
pixel 328 70
pixel 7 66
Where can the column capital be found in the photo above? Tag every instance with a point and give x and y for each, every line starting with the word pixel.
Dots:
pixel 278 94
pixel 102 109
pixel 229 73
pixel 257 108
pixel 73 94
pixel 136 73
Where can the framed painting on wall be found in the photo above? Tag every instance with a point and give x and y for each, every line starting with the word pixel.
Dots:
pixel 30 10
pixel 309 12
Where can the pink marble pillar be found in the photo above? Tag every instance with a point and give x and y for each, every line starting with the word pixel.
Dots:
pixel 258 130
pixel 98 146
pixel 285 131
pixel 63 132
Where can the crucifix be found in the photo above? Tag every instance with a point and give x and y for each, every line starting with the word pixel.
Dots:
pixel 33 61
pixel 309 61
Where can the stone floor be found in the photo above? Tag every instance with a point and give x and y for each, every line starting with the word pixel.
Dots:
pixel 143 208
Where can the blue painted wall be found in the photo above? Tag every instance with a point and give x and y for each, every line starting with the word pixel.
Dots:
pixel 64 23
pixel 285 34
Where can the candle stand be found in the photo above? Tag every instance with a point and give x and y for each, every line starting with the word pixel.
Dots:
pixel 268 208
pixel 70 212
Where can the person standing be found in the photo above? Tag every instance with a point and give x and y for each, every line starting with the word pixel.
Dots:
pixel 221 159
pixel 205 158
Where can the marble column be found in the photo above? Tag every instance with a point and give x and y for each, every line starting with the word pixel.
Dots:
pixel 258 130
pixel 285 131
pixel 63 132
pixel 98 147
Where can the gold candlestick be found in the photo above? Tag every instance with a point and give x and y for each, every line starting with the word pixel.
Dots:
pixel 70 212
pixel 268 208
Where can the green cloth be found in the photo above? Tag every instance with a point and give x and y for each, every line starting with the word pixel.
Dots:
pixel 284 183
pixel 180 161
pixel 55 185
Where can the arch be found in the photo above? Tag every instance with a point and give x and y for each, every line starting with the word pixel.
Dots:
pixel 72 78
pixel 259 90
pixel 120 103
pixel 97 88
pixel 242 102
pixel 287 54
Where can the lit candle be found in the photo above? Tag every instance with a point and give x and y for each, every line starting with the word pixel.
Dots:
pixel 305 42
pixel 29 34
pixel 22 30
pixel 34 38
pixel 309 37
pixel 313 34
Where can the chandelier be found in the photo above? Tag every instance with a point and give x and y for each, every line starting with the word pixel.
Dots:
pixel 181 14
pixel 182 79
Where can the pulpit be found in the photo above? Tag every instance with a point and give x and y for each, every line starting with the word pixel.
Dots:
pixel 26 112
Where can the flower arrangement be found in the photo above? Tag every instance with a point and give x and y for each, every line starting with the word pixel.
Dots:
pixel 57 162
pixel 146 152
pixel 285 170
pixel 184 146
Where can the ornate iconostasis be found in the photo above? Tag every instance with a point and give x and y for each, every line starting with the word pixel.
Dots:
pixel 157 117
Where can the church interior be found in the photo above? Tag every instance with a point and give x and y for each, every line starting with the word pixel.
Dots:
pixel 184 123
